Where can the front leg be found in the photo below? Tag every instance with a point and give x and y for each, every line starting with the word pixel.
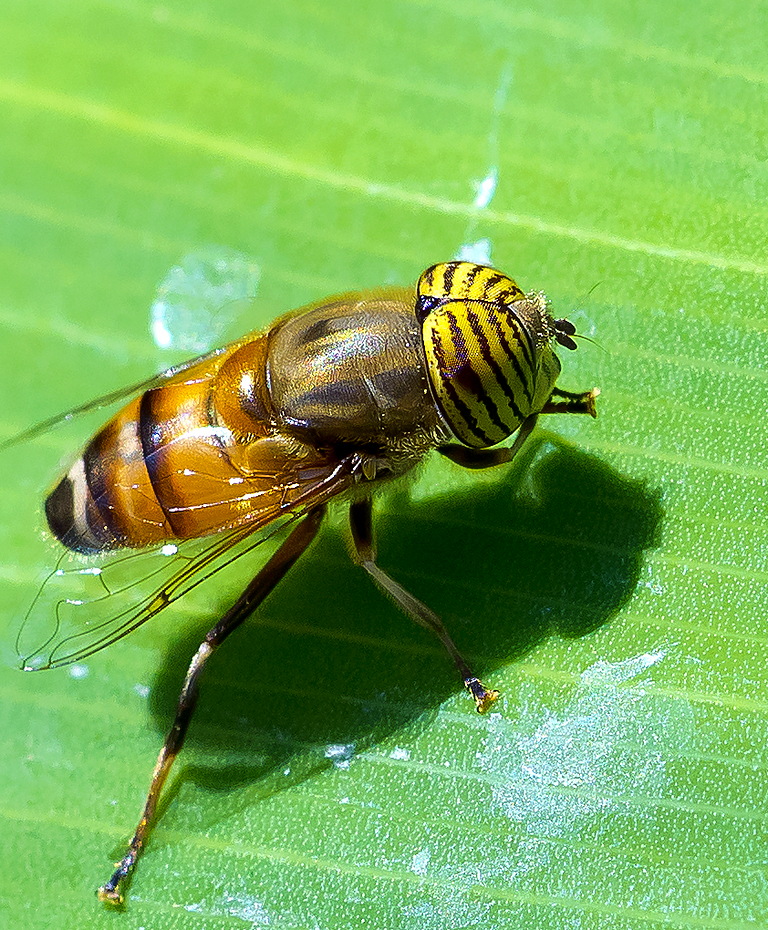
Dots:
pixel 489 458
pixel 559 402
pixel 572 403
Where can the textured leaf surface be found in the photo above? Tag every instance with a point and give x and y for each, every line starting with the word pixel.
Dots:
pixel 613 585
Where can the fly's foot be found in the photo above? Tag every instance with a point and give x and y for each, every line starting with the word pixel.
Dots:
pixel 111 896
pixel 589 401
pixel 110 892
pixel 482 695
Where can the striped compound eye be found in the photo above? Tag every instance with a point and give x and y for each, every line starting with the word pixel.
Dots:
pixel 463 281
pixel 488 349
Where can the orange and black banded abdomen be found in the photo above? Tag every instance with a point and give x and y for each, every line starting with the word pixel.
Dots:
pixel 188 458
pixel 107 498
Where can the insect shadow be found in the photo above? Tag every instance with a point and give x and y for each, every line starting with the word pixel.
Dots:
pixel 552 546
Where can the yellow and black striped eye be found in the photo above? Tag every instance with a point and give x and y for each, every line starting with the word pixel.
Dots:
pixel 488 349
pixel 463 281
pixel 482 367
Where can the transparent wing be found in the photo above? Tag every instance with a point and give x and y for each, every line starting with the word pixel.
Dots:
pixel 87 603
pixel 106 400
pixel 195 304
pixel 83 607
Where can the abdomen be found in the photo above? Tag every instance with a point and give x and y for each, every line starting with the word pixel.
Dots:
pixel 186 459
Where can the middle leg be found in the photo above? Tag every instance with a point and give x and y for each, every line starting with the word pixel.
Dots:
pixel 360 520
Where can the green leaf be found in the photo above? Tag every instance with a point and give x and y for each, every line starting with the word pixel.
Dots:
pixel 612 584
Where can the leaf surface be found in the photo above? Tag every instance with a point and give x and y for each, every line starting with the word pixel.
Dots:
pixel 612 585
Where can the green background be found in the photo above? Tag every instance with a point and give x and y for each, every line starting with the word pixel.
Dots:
pixel 612 584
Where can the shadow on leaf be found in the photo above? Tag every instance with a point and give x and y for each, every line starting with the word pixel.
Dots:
pixel 553 546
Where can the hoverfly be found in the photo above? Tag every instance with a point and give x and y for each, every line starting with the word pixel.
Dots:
pixel 331 401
